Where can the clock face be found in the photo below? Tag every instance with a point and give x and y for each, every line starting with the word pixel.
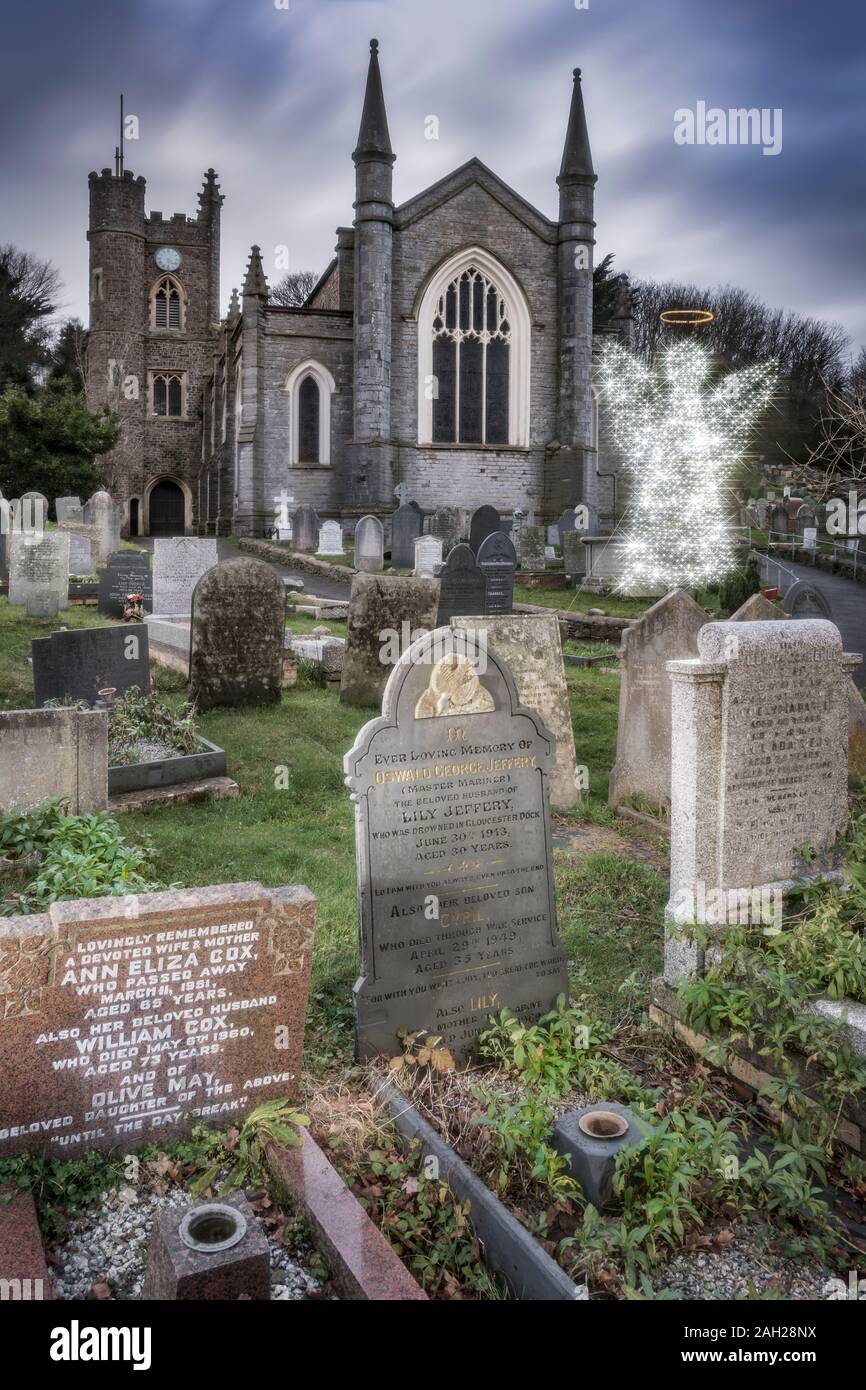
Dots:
pixel 167 258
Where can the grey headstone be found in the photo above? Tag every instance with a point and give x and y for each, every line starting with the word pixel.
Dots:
pixel 485 522
pixel 101 513
pixel 236 648
pixel 127 572
pixel 574 553
pixel 178 564
pixel 666 632
pixel 406 526
pixel 463 586
pixel 330 539
pixel 446 524
pixel 80 555
pixel 803 600
pixel 305 528
pixel 65 506
pixel 58 752
pixel 427 779
pixel 384 613
pixel 497 559
pixel 369 545
pixel 530 548
pixel 428 556
pixel 76 665
pixel 39 573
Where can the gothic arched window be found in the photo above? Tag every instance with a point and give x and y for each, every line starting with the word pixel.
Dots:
pixel 166 304
pixel 168 393
pixel 310 387
pixel 473 355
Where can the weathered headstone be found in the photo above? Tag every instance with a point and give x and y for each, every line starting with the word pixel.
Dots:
pixel 102 514
pixel 666 632
pixel 463 586
pixel 236 646
pixel 128 1021
pixel 497 559
pixel 778 521
pixel 455 886
pixel 759 773
pixel 385 612
pixel 178 564
pixel 39 573
pixel 803 600
pixel 428 555
pixel 52 752
pixel 369 545
pixel 406 525
pixel 305 528
pixel 485 522
pixel 127 572
pixel 76 665
pixel 80 555
pixel 530 548
pixel 532 649
pixel 756 609
pixel 64 507
pixel 574 553
pixel 565 522
pixel 446 524
pixel 330 538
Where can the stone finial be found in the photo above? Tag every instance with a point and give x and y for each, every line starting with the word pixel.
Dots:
pixel 576 156
pixel 234 311
pixel 210 197
pixel 373 137
pixel 255 282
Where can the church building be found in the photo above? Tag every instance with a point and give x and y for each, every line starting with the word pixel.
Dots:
pixel 447 346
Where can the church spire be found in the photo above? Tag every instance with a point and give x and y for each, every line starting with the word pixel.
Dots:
pixel 576 157
pixel 373 138
pixel 255 282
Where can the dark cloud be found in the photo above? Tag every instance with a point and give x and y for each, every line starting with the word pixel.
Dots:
pixel 271 98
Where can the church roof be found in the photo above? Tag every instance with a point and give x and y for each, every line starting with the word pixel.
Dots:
pixel 474 172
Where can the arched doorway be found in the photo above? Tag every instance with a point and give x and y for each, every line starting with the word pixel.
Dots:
pixel 133 516
pixel 166 509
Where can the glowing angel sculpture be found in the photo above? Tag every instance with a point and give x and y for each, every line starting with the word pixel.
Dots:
pixel 683 434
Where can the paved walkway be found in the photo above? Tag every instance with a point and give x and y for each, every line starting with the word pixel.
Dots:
pixel 320 587
pixel 847 601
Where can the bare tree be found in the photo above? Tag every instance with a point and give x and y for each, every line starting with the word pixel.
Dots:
pixel 839 455
pixel 294 289
pixel 28 292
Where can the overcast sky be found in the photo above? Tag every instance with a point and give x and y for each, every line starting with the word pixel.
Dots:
pixel 271 97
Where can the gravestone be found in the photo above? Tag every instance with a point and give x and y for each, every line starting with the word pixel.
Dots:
pixel 777 519
pixel 197 985
pixel 760 768
pixel 330 538
pixel 565 523
pixel 369 545
pixel 553 538
pixel 497 560
pixel 39 573
pixel 53 752
pixel 385 612
pixel 803 600
pixel 76 665
pixel 127 572
pixel 463 586
pixel 756 609
pixel 37 504
pixel 406 525
pixel 574 553
pixel 178 564
pixel 428 556
pixel 762 508
pixel 446 524
pixel 66 507
pixel 305 528
pixel 666 632
pixel 485 522
pixel 530 548
pixel 80 555
pixel 532 649
pixel 102 514
pixel 455 886
pixel 237 629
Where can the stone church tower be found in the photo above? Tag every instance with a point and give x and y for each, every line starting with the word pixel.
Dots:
pixel 154 312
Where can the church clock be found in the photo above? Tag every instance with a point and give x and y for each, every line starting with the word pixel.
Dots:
pixel 167 258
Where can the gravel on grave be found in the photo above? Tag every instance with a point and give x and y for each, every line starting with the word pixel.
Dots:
pixel 110 1246
pixel 748 1261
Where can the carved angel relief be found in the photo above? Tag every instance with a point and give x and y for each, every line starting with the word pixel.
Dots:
pixel 454 688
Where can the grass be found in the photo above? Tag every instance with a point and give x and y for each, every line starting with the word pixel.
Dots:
pixel 612 605
pixel 304 833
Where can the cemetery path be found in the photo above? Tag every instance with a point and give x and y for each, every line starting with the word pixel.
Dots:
pixel 847 601
pixel 321 588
